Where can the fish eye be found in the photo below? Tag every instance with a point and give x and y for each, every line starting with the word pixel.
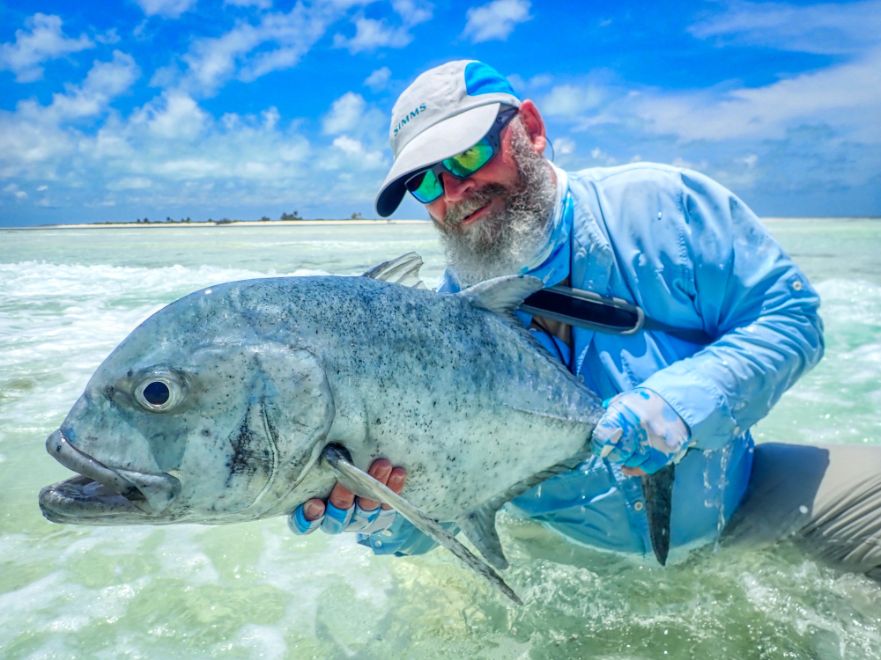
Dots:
pixel 158 393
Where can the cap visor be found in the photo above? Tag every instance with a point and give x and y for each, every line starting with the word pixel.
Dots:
pixel 444 139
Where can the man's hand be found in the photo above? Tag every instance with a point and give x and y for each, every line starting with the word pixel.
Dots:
pixel 342 513
pixel 641 431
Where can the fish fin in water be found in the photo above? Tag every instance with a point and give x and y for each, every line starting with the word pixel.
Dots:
pixel 502 295
pixel 403 270
pixel 363 484
pixel 534 479
pixel 479 527
pixel 657 490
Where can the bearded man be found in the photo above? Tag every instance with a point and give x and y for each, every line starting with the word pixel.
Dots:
pixel 736 326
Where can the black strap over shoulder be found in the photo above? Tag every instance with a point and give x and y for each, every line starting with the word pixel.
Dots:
pixel 589 310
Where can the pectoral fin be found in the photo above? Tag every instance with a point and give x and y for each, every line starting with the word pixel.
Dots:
pixel 364 485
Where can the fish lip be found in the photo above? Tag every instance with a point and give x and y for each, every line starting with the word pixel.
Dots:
pixel 101 491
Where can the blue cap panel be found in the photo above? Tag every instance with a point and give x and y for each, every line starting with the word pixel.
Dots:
pixel 481 78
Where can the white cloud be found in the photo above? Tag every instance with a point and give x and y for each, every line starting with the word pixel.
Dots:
pixel 15 192
pixel 378 79
pixel 35 142
pixel 845 96
pixel 130 183
pixel 412 12
pixel 153 158
pixel 250 51
pixel 259 4
pixel 571 100
pixel 44 41
pixel 175 116
pixel 165 8
pixel 105 81
pixel 357 156
pixel 495 20
pixel 564 146
pixel 831 28
pixel 602 158
pixel 371 34
pixel 345 114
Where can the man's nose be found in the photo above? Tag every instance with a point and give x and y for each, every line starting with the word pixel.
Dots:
pixel 456 189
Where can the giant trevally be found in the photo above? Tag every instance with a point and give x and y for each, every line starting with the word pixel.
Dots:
pixel 243 400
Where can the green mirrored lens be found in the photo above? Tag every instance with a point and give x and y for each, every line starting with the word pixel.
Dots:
pixel 469 161
pixel 427 188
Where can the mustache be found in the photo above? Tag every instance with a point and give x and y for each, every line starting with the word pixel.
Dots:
pixel 456 213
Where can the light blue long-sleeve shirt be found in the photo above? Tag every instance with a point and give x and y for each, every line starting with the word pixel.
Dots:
pixel 693 256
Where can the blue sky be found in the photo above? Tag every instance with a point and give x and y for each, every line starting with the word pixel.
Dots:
pixel 245 108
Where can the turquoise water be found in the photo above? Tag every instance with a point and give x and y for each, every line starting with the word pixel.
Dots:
pixel 68 296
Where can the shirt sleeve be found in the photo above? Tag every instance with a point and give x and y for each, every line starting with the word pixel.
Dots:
pixel 401 539
pixel 748 294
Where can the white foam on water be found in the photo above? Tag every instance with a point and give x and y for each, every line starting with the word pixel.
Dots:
pixel 316 555
pixel 106 541
pixel 181 556
pixel 260 641
pixel 60 605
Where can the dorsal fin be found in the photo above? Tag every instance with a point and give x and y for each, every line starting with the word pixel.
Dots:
pixel 502 294
pixel 403 270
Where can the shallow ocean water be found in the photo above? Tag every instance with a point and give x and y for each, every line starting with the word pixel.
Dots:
pixel 68 296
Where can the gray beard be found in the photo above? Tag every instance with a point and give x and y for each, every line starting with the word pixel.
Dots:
pixel 506 240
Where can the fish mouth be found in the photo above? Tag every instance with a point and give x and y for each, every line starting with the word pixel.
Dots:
pixel 100 493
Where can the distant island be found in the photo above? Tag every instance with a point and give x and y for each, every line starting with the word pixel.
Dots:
pixel 285 217
pixel 285 220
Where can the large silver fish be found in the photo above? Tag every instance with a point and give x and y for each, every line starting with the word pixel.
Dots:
pixel 245 399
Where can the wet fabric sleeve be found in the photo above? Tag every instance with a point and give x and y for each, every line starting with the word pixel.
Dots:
pixel 751 296
pixel 401 539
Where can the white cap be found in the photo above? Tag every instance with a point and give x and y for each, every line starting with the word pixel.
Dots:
pixel 443 112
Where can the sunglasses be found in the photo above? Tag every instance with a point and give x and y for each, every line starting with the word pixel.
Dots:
pixel 426 185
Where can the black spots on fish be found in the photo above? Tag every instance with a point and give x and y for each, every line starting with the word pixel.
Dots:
pixel 109 392
pixel 241 460
pixel 205 433
pixel 377 421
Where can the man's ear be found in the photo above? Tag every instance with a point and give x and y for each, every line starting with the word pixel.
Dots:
pixel 532 121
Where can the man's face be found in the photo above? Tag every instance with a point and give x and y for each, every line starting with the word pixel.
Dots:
pixel 494 221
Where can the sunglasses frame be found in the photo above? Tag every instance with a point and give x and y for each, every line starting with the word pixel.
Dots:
pixel 493 137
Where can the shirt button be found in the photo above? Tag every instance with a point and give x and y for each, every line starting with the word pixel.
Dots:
pixel 638 506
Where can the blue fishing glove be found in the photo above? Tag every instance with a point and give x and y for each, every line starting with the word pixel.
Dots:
pixel 641 430
pixel 335 520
